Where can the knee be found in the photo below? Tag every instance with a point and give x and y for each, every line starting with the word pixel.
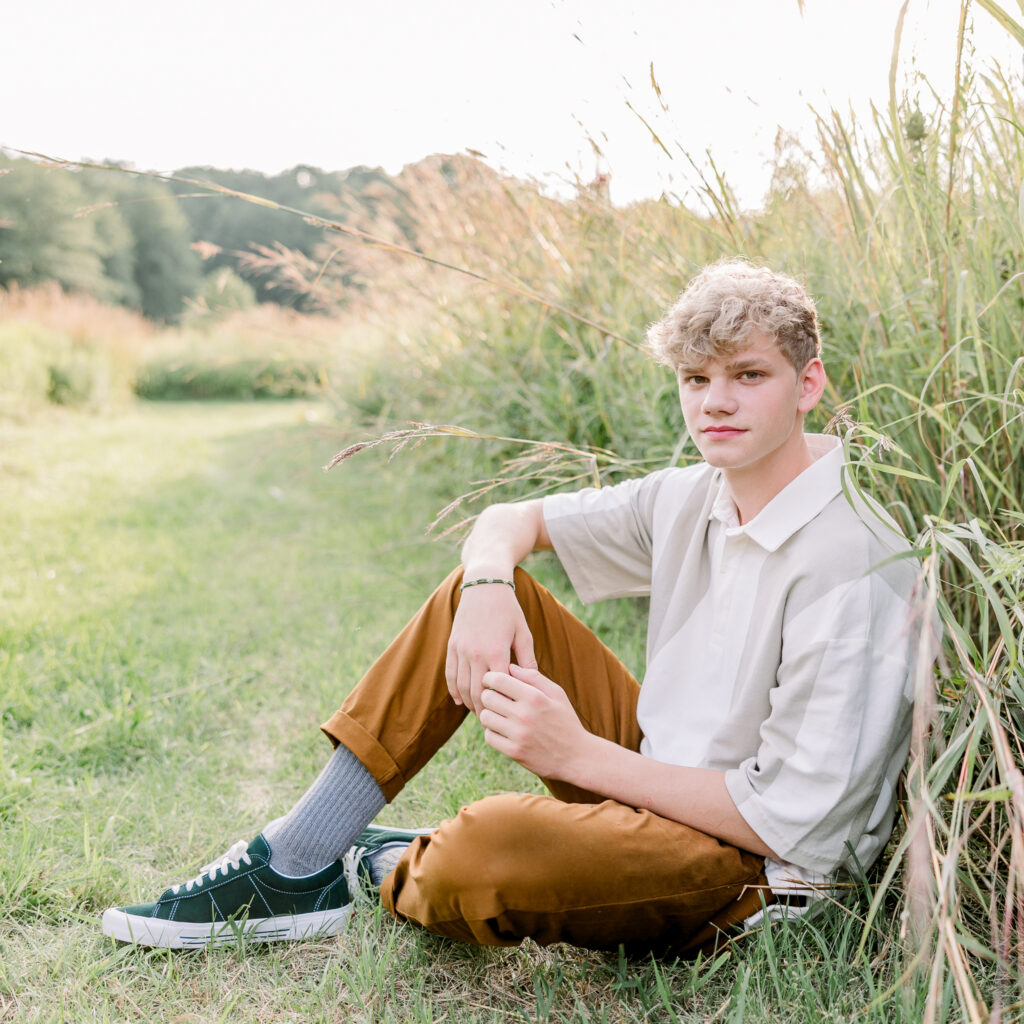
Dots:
pixel 475 858
pixel 480 846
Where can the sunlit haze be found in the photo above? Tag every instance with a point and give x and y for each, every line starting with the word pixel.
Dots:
pixel 531 85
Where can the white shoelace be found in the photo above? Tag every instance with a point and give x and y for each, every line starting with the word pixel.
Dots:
pixel 378 864
pixel 225 862
pixel 350 864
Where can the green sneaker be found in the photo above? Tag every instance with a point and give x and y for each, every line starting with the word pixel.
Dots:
pixel 239 894
pixel 377 850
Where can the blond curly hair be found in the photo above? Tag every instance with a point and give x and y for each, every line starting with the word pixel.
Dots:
pixel 715 314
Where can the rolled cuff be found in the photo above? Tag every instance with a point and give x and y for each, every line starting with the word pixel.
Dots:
pixel 346 731
pixel 765 823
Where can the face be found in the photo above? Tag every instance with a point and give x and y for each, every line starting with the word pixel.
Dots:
pixel 745 412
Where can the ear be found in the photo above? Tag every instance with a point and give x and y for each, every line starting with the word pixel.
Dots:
pixel 811 382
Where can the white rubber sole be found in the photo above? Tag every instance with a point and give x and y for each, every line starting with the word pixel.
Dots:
pixel 154 932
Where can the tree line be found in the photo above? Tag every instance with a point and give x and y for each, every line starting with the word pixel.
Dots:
pixel 156 246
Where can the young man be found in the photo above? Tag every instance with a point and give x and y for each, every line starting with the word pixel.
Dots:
pixel 759 759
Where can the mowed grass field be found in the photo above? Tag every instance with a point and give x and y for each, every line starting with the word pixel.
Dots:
pixel 184 596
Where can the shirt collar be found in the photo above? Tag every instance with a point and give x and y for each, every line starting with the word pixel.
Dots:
pixel 795 505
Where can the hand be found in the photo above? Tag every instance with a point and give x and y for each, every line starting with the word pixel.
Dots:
pixel 489 627
pixel 529 718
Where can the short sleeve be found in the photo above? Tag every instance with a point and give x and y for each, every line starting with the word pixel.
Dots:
pixel 831 750
pixel 604 536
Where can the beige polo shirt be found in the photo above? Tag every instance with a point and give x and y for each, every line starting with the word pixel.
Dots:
pixel 778 651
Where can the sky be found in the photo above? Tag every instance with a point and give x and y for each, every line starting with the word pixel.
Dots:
pixel 531 84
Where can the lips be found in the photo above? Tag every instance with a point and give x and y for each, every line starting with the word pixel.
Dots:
pixel 722 433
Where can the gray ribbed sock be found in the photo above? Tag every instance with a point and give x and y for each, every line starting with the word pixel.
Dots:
pixel 383 862
pixel 318 830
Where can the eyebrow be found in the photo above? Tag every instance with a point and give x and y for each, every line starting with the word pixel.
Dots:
pixel 734 366
pixel 753 363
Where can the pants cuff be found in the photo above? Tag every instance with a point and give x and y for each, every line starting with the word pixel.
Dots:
pixel 341 729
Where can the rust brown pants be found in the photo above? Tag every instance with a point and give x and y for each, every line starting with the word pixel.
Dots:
pixel 571 867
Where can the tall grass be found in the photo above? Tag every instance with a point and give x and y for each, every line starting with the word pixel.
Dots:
pixel 65 349
pixel 909 229
pixel 71 349
pixel 519 320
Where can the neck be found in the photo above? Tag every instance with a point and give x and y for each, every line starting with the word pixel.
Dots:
pixel 752 487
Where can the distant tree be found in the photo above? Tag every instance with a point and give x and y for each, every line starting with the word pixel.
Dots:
pixel 165 271
pixel 238 228
pixel 132 239
pixel 42 239
pixel 118 237
pixel 224 291
pixel 117 246
pixel 234 225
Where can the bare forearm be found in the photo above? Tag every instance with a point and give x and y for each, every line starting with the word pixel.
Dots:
pixel 502 537
pixel 529 718
pixel 692 796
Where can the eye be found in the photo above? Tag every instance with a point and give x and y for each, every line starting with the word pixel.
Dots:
pixel 694 380
pixel 751 375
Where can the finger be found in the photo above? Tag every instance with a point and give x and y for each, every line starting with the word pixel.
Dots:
pixel 462 682
pixel 479 673
pixel 500 743
pixel 533 677
pixel 494 700
pixel 493 722
pixel 503 683
pixel 523 648
pixel 451 674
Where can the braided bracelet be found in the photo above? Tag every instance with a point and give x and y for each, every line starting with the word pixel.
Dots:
pixel 476 583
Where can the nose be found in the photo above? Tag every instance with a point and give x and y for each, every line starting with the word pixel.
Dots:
pixel 718 398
